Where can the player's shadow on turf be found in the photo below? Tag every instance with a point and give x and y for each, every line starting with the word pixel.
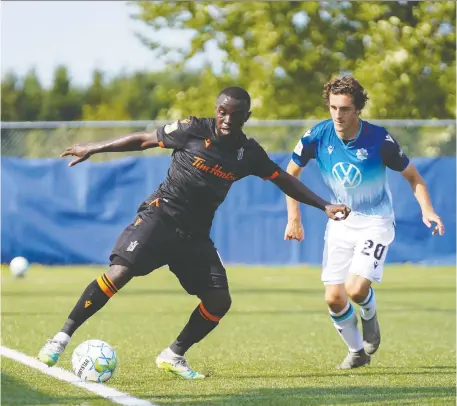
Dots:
pixel 319 396
pixel 341 374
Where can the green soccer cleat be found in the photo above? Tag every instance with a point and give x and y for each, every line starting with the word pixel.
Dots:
pixel 177 365
pixel 51 351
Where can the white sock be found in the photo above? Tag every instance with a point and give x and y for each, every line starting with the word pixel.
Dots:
pixel 346 324
pixel 368 306
pixel 169 353
pixel 62 337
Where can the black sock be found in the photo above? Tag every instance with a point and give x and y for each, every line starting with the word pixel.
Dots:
pixel 91 301
pixel 200 324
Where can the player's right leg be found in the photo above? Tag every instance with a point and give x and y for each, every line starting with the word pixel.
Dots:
pixel 338 251
pixel 94 297
pixel 137 252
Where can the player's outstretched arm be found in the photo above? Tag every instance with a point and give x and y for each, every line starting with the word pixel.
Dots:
pixel 131 142
pixel 292 187
pixel 294 228
pixel 417 183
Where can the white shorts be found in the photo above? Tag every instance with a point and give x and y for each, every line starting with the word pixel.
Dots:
pixel 357 245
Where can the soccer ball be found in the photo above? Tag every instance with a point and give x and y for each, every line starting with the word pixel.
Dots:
pixel 19 266
pixel 94 360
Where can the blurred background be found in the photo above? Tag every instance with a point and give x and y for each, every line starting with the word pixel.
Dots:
pixel 87 71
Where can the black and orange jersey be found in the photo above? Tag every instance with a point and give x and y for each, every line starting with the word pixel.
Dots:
pixel 203 168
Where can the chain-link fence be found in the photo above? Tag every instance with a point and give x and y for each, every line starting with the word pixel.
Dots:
pixel 48 139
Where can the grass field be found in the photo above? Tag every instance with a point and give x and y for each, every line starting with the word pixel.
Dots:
pixel 276 346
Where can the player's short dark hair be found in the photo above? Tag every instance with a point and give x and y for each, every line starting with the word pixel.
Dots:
pixel 346 85
pixel 237 93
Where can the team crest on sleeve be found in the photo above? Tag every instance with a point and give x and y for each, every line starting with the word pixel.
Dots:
pixel 298 148
pixel 169 128
pixel 389 138
pixel 185 121
pixel 240 154
pixel 362 154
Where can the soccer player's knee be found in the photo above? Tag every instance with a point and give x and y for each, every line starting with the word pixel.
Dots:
pixel 357 292
pixel 120 275
pixel 217 302
pixel 335 298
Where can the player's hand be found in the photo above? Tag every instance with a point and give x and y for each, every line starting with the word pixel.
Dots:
pixel 337 212
pixel 431 217
pixel 81 151
pixel 294 231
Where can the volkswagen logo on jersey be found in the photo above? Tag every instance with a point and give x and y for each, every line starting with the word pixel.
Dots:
pixel 347 174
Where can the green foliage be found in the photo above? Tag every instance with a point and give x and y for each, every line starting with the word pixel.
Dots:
pixel 283 53
pixel 10 97
pixel 62 102
pixel 409 65
pixel 141 96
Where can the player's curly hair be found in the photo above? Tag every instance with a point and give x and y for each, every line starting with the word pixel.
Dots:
pixel 346 85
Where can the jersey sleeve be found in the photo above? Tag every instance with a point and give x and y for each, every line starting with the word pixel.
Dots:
pixel 305 148
pixel 176 134
pixel 392 155
pixel 263 166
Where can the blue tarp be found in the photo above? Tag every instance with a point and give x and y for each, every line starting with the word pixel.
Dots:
pixel 52 214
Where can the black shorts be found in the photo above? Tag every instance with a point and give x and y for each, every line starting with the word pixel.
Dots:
pixel 153 240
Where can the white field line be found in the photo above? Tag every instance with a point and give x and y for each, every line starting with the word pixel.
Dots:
pixel 101 390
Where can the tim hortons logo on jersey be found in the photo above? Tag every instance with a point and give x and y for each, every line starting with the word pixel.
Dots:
pixel 215 170
pixel 347 175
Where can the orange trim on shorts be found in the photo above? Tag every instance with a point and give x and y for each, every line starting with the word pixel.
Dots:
pixel 275 175
pixel 104 287
pixel 161 144
pixel 207 315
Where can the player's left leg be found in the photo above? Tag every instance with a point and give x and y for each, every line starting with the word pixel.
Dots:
pixel 368 266
pixel 337 257
pixel 360 291
pixel 201 273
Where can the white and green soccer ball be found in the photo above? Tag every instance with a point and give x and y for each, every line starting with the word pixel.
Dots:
pixel 94 360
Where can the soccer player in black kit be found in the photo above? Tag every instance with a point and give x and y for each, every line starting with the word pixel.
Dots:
pixel 173 225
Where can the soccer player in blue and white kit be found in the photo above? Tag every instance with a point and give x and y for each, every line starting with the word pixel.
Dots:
pixel 352 156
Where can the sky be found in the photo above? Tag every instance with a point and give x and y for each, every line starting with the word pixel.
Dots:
pixel 83 35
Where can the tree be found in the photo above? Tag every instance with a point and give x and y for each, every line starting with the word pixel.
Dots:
pixel 283 53
pixel 10 96
pixel 62 102
pixel 96 93
pixel 30 100
pixel 409 62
